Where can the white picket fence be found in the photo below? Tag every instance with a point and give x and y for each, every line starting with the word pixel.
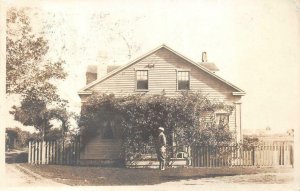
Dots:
pixel 265 155
pixel 53 152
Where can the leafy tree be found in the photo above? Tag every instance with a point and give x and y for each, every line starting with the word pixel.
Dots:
pixel 22 137
pixel 31 75
pixel 27 68
pixel 34 112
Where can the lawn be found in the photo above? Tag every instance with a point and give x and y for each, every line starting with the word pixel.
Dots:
pixel 95 176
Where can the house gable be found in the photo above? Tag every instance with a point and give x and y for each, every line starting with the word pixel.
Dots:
pixel 162 64
pixel 89 87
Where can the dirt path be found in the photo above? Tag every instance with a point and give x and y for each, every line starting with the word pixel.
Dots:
pixel 18 176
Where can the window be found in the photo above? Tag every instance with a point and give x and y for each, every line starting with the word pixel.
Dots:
pixel 222 119
pixel 107 130
pixel 183 80
pixel 142 79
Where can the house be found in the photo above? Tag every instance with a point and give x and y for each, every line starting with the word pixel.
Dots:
pixel 269 137
pixel 160 70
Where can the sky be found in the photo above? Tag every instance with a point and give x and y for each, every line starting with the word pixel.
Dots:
pixel 255 44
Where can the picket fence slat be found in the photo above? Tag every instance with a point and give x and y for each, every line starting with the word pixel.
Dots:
pixel 53 152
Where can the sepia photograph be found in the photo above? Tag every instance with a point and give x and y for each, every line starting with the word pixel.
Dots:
pixel 158 95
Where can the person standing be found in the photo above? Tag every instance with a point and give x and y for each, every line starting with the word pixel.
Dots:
pixel 161 148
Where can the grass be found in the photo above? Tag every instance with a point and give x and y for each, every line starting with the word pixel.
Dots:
pixel 95 176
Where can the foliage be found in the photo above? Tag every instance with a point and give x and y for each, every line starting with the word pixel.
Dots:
pixel 27 68
pixel 31 75
pixel 21 136
pixel 35 113
pixel 250 142
pixel 138 117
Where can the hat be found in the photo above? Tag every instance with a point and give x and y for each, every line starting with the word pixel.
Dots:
pixel 161 128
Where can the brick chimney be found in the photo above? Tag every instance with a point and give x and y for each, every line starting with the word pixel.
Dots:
pixel 208 65
pixel 204 57
pixel 91 73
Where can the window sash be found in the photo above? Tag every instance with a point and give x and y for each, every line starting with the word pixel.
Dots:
pixel 183 80
pixel 142 79
pixel 222 119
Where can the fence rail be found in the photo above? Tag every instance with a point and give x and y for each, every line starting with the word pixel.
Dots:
pixel 225 156
pixel 53 152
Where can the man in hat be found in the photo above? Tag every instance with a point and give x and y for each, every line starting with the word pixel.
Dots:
pixel 161 148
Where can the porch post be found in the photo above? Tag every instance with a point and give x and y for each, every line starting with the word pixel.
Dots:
pixel 238 122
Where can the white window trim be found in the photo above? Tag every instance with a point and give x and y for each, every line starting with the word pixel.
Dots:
pixel 183 70
pixel 135 79
pixel 222 112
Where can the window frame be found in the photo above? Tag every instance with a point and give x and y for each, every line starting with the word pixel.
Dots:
pixel 217 119
pixel 136 80
pixel 177 79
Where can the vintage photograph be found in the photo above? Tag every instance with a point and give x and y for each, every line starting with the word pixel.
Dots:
pixel 199 94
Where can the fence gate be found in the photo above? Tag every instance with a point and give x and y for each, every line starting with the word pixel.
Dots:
pixel 53 152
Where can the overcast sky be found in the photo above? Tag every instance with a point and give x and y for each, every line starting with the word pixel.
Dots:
pixel 255 44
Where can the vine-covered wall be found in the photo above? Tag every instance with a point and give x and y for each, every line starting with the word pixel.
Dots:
pixel 136 118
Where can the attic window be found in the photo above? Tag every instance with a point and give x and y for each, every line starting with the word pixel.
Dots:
pixel 183 80
pixel 142 79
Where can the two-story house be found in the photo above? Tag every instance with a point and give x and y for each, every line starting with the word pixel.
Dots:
pixel 160 70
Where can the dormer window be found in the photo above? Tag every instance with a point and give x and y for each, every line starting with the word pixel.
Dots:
pixel 142 79
pixel 183 80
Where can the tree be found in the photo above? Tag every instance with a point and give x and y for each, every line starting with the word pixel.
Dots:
pixel 22 137
pixel 27 68
pixel 30 74
pixel 34 112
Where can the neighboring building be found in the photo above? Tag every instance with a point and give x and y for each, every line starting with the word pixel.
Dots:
pixel 266 136
pixel 11 137
pixel 160 70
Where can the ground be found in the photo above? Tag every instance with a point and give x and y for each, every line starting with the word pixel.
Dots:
pixel 98 176
pixel 23 174
pixel 16 175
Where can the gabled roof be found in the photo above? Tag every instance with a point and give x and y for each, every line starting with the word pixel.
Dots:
pixel 83 90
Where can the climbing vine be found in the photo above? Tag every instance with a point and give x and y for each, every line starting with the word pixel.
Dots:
pixel 187 119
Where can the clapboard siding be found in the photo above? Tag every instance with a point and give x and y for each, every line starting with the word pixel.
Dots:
pixel 102 149
pixel 163 78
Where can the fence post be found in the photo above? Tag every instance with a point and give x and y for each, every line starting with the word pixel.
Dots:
pixel 50 152
pixel 286 159
pixel 253 156
pixel 43 153
pixel 47 151
pixel 62 152
pixel 29 152
pixel 292 155
pixel 36 152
